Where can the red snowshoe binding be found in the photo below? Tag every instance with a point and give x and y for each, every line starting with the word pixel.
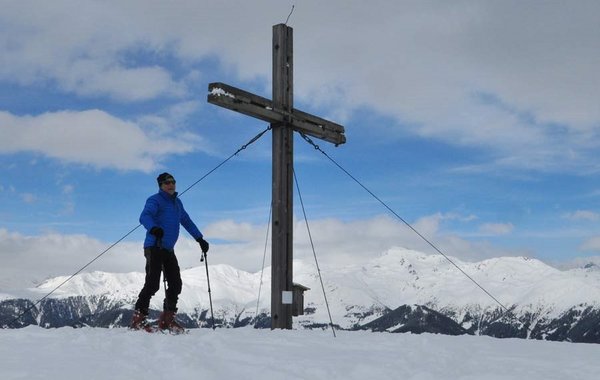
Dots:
pixel 140 322
pixel 167 321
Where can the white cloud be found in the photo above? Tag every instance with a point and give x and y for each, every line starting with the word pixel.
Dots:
pixel 126 84
pixel 578 262
pixel 496 228
pixel 591 244
pixel 91 137
pixel 82 48
pixel 341 243
pixel 30 259
pixel 516 79
pixel 582 215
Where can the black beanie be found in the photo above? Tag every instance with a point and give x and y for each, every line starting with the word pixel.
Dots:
pixel 164 177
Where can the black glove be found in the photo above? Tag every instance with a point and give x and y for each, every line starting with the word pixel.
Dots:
pixel 203 244
pixel 157 232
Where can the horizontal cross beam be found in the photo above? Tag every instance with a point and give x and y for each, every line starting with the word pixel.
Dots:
pixel 256 106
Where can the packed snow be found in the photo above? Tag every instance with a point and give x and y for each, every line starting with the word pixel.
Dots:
pixel 246 353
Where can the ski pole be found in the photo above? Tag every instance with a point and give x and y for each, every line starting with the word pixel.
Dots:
pixel 203 258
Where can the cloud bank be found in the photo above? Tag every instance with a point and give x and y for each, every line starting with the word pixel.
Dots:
pixel 514 79
pixel 31 259
pixel 92 137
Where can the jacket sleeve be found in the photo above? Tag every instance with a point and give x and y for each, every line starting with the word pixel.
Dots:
pixel 147 217
pixel 188 224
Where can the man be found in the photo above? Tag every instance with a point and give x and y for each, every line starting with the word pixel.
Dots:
pixel 161 217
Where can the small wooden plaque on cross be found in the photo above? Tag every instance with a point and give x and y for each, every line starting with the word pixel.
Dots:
pixel 284 120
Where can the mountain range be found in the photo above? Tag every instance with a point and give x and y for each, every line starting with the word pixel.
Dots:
pixel 399 291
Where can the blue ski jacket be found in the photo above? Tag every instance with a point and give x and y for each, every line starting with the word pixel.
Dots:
pixel 166 211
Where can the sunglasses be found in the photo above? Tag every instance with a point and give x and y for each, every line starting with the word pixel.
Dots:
pixel 169 182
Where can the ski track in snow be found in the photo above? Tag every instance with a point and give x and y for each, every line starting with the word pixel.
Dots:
pixel 245 353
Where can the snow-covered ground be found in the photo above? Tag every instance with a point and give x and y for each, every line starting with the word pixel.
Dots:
pixel 88 353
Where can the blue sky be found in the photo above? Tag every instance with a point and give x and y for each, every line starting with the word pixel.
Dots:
pixel 478 122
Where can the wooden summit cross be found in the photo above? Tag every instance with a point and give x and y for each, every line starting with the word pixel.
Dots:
pixel 284 120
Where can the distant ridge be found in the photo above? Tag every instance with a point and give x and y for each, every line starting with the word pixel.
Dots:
pixel 424 291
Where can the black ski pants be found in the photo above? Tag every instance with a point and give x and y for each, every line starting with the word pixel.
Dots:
pixel 157 261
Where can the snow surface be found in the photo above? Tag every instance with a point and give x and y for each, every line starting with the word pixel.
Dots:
pixel 245 353
pixel 220 92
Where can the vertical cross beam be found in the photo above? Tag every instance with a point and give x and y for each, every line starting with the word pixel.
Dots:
pixel 283 176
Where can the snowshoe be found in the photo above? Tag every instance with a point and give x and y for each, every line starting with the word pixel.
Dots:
pixel 167 323
pixel 140 322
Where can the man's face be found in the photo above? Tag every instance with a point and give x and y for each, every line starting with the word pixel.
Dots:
pixel 168 186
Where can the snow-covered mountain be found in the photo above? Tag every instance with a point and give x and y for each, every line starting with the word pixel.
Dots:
pixel 399 288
